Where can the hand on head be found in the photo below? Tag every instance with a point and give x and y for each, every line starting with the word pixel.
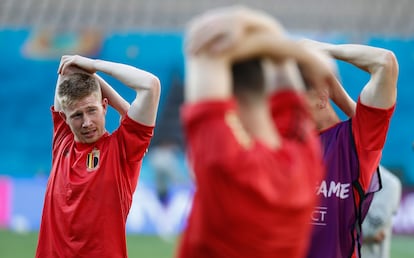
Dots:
pixel 335 90
pixel 215 30
pixel 323 62
pixel 219 30
pixel 75 64
pixel 320 73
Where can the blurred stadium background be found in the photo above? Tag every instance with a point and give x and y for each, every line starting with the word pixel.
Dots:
pixel 148 34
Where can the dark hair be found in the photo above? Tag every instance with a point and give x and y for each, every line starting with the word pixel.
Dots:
pixel 77 86
pixel 248 77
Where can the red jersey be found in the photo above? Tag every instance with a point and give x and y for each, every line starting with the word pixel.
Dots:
pixel 89 192
pixel 250 201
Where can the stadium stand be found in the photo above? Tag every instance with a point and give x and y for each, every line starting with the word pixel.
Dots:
pixel 382 17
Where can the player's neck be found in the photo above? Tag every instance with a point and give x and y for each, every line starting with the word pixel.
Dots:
pixel 326 119
pixel 259 125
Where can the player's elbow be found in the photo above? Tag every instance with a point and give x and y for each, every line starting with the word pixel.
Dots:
pixel 155 87
pixel 389 63
pixel 155 83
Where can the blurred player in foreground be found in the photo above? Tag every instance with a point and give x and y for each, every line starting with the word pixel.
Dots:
pixel 252 146
pixel 94 173
pixel 377 226
pixel 352 148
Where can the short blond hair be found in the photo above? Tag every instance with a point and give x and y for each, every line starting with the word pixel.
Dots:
pixel 77 86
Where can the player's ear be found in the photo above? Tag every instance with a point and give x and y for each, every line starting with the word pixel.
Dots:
pixel 105 104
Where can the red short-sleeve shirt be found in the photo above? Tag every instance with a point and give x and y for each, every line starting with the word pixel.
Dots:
pixel 250 201
pixel 89 192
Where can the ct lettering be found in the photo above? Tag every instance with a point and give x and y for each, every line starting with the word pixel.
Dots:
pixel 318 216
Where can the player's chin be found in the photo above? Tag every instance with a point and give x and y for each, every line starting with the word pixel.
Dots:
pixel 90 138
pixel 89 141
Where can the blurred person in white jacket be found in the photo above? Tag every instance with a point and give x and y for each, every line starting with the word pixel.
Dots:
pixel 377 226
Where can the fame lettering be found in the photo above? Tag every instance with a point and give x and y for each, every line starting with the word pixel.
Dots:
pixel 333 189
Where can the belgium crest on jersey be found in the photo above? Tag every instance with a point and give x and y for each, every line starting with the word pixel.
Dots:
pixel 92 160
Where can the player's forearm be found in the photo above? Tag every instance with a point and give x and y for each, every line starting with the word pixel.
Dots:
pixel 367 58
pixel 263 43
pixel 380 91
pixel 280 49
pixel 132 77
pixel 342 99
pixel 56 103
pixel 115 100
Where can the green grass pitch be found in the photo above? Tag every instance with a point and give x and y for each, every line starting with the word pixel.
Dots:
pixel 14 245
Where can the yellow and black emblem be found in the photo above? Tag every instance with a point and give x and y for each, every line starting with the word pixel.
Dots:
pixel 92 160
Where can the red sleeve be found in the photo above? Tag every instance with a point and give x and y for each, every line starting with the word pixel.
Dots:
pixel 369 127
pixel 291 114
pixel 135 138
pixel 210 126
pixel 61 130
